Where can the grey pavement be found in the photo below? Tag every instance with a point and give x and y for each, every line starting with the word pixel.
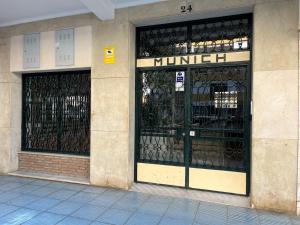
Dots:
pixel 26 201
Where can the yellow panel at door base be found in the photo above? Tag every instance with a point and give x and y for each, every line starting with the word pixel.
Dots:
pixel 161 174
pixel 218 180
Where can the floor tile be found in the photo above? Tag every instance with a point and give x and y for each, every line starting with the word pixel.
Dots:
pixel 74 187
pixel 43 191
pixel 242 215
pixel 143 219
pixel 6 209
pixel 57 185
pixel 66 208
pixel 45 219
pixel 99 223
pixel 83 197
pixel 43 204
pixel 266 218
pixel 89 212
pixel 41 182
pixel 74 221
pixel 170 221
pixel 295 220
pixel 95 190
pixel 127 204
pixel 105 199
pixel 115 216
pixel 62 194
pixel 153 208
pixel 160 199
pixel 5 197
pixel 141 197
pixel 10 186
pixel 176 212
pixel 23 200
pixel 19 216
pixel 204 219
pixel 21 180
pixel 27 188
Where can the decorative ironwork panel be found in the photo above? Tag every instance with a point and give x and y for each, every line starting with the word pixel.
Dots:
pixel 56 112
pixel 225 36
pixel 196 37
pixel 161 119
pixel 219 98
pixel 163 41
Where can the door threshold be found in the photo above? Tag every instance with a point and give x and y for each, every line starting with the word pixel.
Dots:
pixel 52 177
pixel 198 195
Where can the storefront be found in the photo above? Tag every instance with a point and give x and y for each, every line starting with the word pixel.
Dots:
pixel 204 98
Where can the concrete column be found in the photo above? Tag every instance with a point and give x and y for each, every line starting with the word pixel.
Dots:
pixel 275 106
pixel 111 125
pixel 10 111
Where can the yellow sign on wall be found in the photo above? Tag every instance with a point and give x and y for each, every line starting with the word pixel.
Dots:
pixel 109 55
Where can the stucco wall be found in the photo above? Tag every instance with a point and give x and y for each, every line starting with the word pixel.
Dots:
pixel 10 116
pixel 275 106
pixel 275 93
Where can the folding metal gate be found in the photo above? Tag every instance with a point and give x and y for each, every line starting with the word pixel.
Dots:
pixel 193 94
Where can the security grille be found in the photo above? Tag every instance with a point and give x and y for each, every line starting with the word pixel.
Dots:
pixel 195 37
pixel 56 112
pixel 162 118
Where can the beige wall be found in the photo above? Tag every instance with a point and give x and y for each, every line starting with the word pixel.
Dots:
pixel 275 93
pixel 82 51
pixel 298 181
pixel 10 117
pixel 112 126
pixel 275 106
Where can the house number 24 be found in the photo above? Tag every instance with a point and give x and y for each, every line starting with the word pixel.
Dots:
pixel 186 8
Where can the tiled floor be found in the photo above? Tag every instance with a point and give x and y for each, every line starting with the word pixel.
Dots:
pixel 39 202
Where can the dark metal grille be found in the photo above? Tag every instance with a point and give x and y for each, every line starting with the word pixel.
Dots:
pixel 162 115
pixel 219 110
pixel 56 112
pixel 206 36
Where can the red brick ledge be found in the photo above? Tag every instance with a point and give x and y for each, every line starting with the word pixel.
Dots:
pixel 56 164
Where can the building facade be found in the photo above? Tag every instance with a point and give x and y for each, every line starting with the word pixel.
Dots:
pixel 207 99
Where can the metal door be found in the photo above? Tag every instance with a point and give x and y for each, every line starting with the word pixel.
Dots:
pixel 203 126
pixel 219 128
pixel 197 135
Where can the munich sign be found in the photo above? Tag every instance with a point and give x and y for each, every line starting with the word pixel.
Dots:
pixel 195 59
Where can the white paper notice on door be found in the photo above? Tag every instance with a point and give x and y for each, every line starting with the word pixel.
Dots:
pixel 179 84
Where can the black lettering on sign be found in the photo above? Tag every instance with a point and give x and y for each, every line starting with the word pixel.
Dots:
pixel 221 57
pixel 158 60
pixel 171 63
pixel 204 57
pixel 184 60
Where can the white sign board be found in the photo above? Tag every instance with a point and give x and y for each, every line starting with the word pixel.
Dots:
pixel 179 84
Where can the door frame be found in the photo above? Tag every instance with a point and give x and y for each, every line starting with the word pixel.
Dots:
pixel 249 77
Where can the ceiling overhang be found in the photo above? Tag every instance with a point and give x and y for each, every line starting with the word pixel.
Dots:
pixel 14 12
pixel 103 9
